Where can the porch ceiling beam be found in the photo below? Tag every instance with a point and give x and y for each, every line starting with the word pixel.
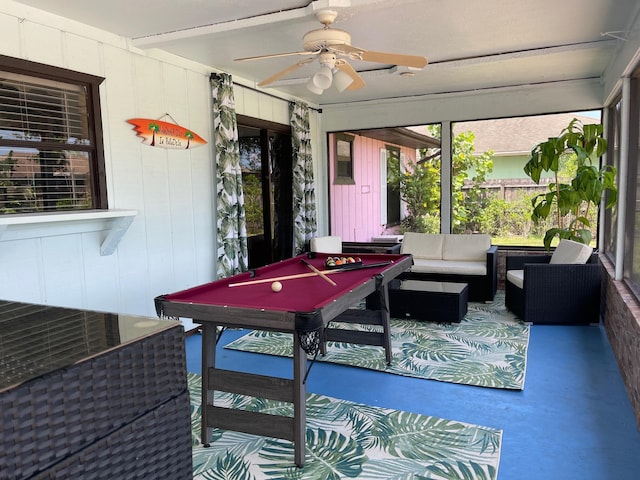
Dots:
pixel 158 40
pixel 474 61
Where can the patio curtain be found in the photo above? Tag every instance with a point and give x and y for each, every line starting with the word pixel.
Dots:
pixel 231 241
pixel 304 199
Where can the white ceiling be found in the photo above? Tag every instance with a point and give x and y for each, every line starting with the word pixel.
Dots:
pixel 470 44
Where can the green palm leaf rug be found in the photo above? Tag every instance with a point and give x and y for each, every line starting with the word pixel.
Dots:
pixel 345 440
pixel 488 348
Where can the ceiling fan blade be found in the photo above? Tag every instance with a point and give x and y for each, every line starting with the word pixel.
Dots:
pixel 358 82
pixel 382 57
pixel 284 72
pixel 275 55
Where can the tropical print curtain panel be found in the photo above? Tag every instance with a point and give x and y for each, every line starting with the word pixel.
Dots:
pixel 231 239
pixel 304 199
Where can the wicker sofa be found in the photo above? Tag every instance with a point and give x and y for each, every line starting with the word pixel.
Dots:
pixel 562 288
pixel 457 258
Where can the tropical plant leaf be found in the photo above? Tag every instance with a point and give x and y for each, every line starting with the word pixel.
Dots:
pixel 349 440
pixel 227 468
pixel 585 190
pixel 331 456
pixel 461 471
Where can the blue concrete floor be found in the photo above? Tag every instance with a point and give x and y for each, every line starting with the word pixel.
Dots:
pixel 573 420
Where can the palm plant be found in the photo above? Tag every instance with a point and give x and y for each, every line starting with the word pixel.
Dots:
pixel 572 200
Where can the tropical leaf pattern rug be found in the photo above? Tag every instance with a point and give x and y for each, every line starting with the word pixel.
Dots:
pixel 345 440
pixel 488 348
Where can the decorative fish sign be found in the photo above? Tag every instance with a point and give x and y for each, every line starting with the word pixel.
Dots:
pixel 157 133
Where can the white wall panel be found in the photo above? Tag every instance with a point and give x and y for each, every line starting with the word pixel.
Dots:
pixel 250 103
pixel 120 143
pixel 101 279
pixel 62 261
pixel 82 54
pixel 202 193
pixel 42 43
pixel 20 271
pixel 179 173
pixel 266 107
pixel 10 44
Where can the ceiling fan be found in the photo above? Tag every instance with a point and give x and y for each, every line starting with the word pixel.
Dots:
pixel 328 45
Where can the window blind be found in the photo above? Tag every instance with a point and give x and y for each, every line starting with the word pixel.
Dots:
pixel 45 146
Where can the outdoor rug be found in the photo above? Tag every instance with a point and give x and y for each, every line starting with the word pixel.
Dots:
pixel 488 348
pixel 345 440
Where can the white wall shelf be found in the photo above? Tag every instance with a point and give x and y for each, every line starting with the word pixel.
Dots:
pixel 34 225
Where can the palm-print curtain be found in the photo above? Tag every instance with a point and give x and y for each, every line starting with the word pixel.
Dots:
pixel 304 199
pixel 231 227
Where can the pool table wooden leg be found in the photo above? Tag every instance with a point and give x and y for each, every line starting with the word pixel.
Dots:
pixel 385 320
pixel 208 361
pixel 299 401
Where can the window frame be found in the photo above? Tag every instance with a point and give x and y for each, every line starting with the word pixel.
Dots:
pixel 393 152
pixel 630 245
pixel 343 179
pixel 91 84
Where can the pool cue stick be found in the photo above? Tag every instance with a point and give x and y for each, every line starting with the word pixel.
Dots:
pixel 324 277
pixel 285 277
pixel 306 275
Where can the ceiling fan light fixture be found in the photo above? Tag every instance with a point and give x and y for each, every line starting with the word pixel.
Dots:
pixel 312 88
pixel 323 78
pixel 331 45
pixel 342 80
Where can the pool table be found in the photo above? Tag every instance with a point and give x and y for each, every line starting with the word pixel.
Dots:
pixel 304 307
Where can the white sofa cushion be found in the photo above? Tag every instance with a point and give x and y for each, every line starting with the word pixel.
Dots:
pixel 328 244
pixel 569 251
pixel 430 286
pixel 421 265
pixel 466 247
pixel 516 277
pixel 423 245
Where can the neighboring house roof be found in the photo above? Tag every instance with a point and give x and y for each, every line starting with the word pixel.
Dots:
pixel 519 134
pixel 404 137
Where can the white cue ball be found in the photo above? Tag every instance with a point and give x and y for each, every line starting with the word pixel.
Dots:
pixel 276 286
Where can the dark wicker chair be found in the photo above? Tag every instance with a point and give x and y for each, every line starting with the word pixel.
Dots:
pixel 554 294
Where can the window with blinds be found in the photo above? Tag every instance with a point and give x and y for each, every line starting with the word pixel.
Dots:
pixel 49 157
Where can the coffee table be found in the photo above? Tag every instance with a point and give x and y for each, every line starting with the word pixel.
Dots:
pixel 427 300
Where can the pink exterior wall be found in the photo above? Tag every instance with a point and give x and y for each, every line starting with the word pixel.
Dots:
pixel 355 209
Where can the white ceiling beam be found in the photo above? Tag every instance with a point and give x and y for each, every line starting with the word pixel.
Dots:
pixel 535 52
pixel 474 61
pixel 160 39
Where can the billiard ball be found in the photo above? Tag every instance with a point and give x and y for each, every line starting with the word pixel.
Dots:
pixel 276 286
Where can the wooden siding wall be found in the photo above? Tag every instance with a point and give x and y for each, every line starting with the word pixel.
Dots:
pixel 355 209
pixel 171 243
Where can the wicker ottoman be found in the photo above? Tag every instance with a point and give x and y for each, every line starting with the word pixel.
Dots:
pixel 428 301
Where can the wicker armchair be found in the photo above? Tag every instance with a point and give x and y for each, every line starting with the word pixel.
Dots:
pixel 554 293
